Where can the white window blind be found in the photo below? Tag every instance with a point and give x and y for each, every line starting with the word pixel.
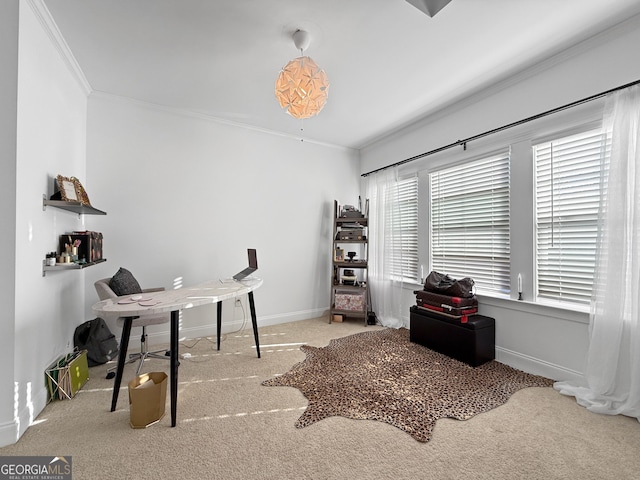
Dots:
pixel 569 176
pixel 402 232
pixel 470 222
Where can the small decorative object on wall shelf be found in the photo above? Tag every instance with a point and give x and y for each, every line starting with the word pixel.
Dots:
pixel 81 194
pixel 70 195
pixel 70 190
pixel 66 189
pixel 59 267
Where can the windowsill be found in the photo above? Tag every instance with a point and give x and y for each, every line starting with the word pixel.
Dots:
pixel 565 306
pixel 562 312
pixel 413 285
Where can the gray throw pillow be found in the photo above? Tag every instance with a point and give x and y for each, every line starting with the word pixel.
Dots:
pixel 124 283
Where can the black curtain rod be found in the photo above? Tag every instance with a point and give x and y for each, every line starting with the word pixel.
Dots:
pixel 504 127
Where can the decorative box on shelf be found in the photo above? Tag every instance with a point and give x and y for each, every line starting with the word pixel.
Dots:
pixel 90 244
pixel 350 301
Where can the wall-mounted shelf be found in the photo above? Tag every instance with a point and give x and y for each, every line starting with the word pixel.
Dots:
pixel 68 266
pixel 78 208
pixel 71 206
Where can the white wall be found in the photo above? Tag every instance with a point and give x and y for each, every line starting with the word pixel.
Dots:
pixel 536 338
pixel 186 196
pixel 50 140
pixel 8 127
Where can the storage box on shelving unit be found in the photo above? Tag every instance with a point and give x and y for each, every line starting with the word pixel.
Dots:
pixel 351 234
pixel 350 302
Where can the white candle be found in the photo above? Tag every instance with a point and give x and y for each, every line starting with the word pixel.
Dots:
pixel 421 272
pixel 519 283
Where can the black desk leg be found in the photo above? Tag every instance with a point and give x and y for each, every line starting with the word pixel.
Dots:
pixel 122 359
pixel 175 315
pixel 219 322
pixel 252 306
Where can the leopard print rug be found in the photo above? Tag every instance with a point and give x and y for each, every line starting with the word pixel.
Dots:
pixel 381 375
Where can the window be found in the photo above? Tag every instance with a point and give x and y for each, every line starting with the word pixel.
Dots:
pixel 403 238
pixel 470 222
pixel 569 175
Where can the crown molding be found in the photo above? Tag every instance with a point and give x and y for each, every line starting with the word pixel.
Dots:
pixel 97 94
pixel 51 29
pixel 509 79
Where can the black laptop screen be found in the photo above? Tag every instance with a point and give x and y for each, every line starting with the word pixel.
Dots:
pixel 253 265
pixel 253 258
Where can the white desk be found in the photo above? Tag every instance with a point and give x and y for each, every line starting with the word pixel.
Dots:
pixel 173 301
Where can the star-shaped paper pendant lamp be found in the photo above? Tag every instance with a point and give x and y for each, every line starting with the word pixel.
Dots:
pixel 302 86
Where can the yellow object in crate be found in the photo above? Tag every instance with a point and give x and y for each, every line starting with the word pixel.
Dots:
pixel 66 376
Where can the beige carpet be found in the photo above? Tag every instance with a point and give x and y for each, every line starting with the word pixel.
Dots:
pixel 231 427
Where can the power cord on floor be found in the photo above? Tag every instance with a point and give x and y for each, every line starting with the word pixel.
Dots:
pixel 223 337
pixel 208 339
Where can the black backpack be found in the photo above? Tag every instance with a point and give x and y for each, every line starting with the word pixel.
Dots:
pixel 95 337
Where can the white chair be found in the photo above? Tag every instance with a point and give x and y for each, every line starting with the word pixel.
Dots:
pixel 105 292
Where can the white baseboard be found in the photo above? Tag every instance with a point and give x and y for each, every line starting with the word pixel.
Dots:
pixel 209 330
pixel 536 366
pixel 11 432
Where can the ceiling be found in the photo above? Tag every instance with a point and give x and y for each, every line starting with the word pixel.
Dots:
pixel 388 62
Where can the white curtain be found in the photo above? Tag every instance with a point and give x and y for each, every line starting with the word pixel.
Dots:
pixel 613 363
pixel 384 236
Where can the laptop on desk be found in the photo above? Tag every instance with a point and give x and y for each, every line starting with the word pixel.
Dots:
pixel 253 265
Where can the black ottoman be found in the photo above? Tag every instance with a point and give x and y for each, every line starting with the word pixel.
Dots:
pixel 472 342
